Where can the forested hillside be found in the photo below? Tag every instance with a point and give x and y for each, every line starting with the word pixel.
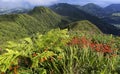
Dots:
pixel 16 26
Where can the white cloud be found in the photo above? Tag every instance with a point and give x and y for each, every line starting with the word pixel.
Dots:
pixel 41 2
pixel 22 3
pixel 34 2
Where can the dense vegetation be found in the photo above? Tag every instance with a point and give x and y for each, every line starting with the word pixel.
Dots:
pixel 61 52
pixel 16 26
pixel 31 44
pixel 84 26
pixel 42 19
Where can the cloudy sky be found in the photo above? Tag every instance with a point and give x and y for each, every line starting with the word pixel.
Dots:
pixel 27 3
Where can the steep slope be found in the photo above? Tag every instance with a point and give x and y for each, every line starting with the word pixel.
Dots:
pixel 46 16
pixel 15 26
pixel 84 26
pixel 76 14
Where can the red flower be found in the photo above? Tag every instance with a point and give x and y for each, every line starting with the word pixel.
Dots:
pixel 107 51
pixel 92 45
pixel 75 41
pixel 84 41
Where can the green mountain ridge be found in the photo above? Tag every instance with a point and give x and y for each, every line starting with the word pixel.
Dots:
pixel 85 25
pixel 42 19
pixel 109 14
pixel 76 14
pixel 15 26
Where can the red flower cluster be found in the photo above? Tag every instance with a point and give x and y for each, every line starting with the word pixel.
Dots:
pixel 74 41
pixel 101 47
pixel 84 42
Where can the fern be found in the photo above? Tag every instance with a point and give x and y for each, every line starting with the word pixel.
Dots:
pixel 8 59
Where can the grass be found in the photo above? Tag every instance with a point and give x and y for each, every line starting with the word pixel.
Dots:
pixel 17 26
pixel 58 52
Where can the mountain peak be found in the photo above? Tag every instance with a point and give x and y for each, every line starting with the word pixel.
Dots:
pixel 40 9
pixel 113 8
pixel 59 5
pixel 114 5
pixel 91 5
pixel 62 4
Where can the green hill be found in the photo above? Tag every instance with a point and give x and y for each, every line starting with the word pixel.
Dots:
pixel 16 26
pixel 84 26
pixel 42 19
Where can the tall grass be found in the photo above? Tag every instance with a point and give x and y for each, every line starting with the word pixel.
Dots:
pixel 57 52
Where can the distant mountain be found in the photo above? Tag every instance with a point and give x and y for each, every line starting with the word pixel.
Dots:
pixel 76 14
pixel 110 14
pixel 26 7
pixel 113 16
pixel 14 11
pixel 94 9
pixel 112 8
pixel 99 11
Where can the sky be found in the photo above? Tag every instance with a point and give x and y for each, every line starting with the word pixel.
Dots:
pixel 28 3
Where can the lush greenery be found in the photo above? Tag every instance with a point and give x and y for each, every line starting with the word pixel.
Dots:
pixel 84 26
pixel 42 19
pixel 16 26
pixel 29 46
pixel 61 52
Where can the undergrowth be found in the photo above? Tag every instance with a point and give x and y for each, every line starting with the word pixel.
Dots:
pixel 58 52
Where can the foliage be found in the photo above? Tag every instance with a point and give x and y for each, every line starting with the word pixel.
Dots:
pixel 58 52
pixel 17 26
pixel 32 52
pixel 84 26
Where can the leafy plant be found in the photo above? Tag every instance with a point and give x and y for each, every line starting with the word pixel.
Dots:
pixel 61 52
